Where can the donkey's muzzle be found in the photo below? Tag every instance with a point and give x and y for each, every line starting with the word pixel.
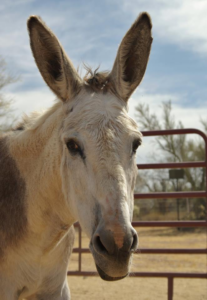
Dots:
pixel 111 243
pixel 112 248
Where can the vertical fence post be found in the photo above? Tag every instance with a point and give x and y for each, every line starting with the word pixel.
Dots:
pixel 170 288
pixel 79 248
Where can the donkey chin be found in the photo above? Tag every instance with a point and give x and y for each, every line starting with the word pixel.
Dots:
pixel 112 267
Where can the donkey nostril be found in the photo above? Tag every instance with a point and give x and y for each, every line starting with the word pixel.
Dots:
pixel 134 243
pixel 99 245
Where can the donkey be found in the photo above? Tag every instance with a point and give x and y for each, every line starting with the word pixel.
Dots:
pixel 75 162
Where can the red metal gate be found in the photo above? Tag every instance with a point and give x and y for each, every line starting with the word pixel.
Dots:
pixel 203 194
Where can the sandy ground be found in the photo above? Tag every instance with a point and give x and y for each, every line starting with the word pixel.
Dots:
pixel 148 288
pixel 136 289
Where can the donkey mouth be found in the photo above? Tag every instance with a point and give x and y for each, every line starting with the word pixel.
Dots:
pixel 106 277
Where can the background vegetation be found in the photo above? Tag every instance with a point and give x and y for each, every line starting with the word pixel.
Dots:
pixel 170 148
pixel 6 78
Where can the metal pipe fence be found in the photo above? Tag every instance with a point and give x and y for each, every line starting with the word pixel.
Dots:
pixel 164 195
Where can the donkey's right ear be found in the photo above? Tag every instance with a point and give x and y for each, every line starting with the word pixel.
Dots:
pixel 54 65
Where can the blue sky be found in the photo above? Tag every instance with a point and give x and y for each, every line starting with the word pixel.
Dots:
pixel 90 31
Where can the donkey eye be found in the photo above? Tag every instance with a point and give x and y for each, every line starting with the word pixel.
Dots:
pixel 135 145
pixel 73 147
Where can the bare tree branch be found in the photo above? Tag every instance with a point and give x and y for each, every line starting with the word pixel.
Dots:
pixel 5 102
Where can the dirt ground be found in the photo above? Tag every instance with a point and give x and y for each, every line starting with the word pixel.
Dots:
pixel 148 288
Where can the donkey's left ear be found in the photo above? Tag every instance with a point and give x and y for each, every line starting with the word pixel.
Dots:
pixel 132 57
pixel 54 65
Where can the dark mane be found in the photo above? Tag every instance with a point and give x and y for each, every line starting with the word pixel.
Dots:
pixel 98 81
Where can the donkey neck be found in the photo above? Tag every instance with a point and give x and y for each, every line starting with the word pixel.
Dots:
pixel 37 152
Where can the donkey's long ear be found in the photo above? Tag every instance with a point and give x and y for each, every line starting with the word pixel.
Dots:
pixel 53 63
pixel 132 57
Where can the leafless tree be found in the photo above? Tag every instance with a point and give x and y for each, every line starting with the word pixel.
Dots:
pixel 172 148
pixel 5 102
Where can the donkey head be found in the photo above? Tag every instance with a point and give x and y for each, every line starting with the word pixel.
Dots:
pixel 99 140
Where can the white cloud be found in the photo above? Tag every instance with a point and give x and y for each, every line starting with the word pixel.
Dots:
pixel 182 23
pixel 154 100
pixel 29 101
pixel 190 116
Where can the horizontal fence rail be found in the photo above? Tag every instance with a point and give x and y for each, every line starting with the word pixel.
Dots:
pixel 190 164
pixel 170 224
pixel 199 194
pixel 194 194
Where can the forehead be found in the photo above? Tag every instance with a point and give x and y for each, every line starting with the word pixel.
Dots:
pixel 92 112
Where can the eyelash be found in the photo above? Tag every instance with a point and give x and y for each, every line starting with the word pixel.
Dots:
pixel 135 145
pixel 74 148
